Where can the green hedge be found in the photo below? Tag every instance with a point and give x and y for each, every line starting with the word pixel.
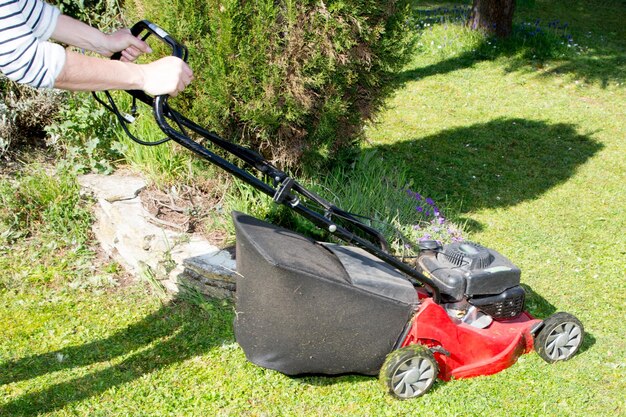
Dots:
pixel 291 78
pixel 103 14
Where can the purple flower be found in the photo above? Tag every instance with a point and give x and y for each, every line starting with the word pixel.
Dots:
pixel 413 194
pixel 430 201
pixel 419 209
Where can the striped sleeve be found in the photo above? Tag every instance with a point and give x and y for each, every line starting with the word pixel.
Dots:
pixel 25 56
pixel 40 17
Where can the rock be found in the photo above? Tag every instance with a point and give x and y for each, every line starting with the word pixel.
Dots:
pixel 130 235
pixel 212 274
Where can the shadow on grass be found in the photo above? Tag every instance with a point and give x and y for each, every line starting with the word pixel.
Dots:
pixel 602 67
pixel 176 332
pixel 537 305
pixel 598 58
pixel 541 308
pixel 588 342
pixel 496 164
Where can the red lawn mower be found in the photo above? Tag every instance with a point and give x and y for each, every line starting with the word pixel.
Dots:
pixel 308 307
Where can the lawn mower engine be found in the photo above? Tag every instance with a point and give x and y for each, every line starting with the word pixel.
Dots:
pixel 473 280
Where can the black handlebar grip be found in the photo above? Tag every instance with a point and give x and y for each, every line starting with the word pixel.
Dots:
pixel 178 50
pixel 159 103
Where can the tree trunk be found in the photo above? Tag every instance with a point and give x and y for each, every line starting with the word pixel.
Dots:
pixel 493 16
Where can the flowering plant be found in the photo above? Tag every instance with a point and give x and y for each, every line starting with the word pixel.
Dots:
pixel 430 224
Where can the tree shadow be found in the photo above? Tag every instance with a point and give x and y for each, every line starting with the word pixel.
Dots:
pixel 603 66
pixel 495 164
pixel 176 332
pixel 589 54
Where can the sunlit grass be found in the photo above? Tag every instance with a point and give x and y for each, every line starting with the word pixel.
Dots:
pixel 527 153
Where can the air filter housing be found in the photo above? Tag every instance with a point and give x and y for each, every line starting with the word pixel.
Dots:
pixel 469 254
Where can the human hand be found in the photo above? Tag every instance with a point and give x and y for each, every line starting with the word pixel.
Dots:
pixel 169 75
pixel 125 42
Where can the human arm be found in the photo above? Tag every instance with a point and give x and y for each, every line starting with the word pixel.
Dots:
pixel 76 33
pixel 167 75
pixel 26 58
pixel 82 73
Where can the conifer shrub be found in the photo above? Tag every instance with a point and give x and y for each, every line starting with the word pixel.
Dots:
pixel 293 79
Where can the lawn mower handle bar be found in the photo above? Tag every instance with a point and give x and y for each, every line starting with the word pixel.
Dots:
pixel 285 190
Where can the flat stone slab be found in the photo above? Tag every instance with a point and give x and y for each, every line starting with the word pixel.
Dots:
pixel 112 188
pixel 217 265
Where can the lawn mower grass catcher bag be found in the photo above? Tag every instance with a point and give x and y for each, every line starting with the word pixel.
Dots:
pixel 310 308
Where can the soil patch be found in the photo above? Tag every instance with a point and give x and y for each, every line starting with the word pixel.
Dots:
pixel 184 209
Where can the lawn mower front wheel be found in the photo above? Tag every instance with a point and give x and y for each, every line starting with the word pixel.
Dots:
pixel 560 337
pixel 409 372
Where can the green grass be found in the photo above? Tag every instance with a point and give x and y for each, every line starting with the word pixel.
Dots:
pixel 43 217
pixel 528 152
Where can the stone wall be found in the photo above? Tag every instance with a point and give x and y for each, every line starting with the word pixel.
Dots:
pixel 130 235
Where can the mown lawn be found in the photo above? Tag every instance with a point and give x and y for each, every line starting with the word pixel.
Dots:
pixel 528 153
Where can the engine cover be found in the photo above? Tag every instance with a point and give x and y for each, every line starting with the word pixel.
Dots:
pixel 466 269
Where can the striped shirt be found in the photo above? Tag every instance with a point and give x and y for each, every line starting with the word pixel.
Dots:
pixel 25 56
